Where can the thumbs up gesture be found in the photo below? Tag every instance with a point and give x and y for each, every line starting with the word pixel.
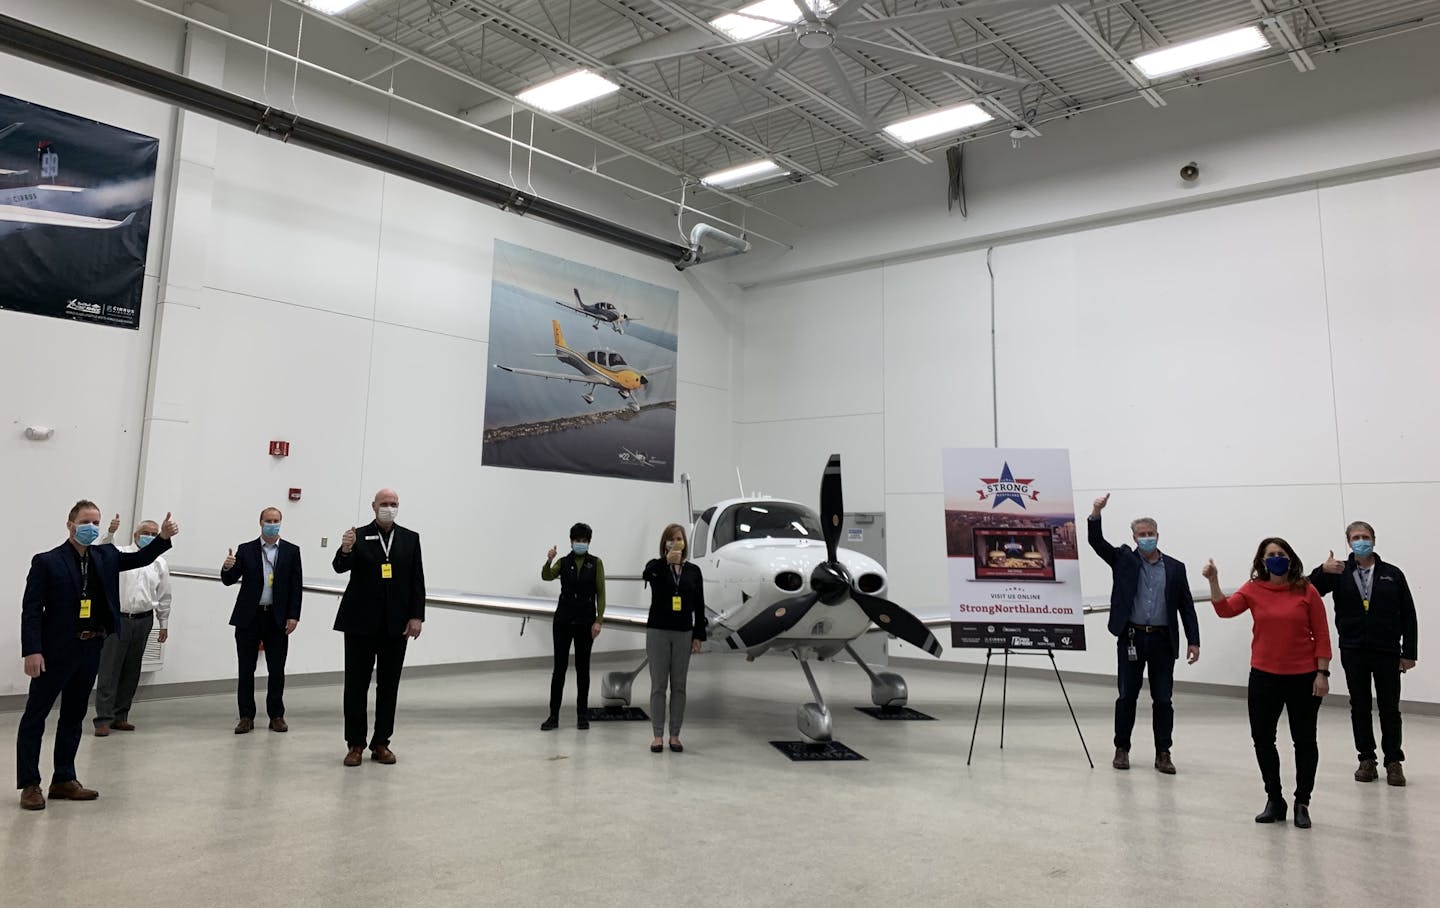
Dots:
pixel 550 555
pixel 1099 505
pixel 1208 571
pixel 347 541
pixel 229 560
pixel 168 527
pixel 114 524
pixel 1333 565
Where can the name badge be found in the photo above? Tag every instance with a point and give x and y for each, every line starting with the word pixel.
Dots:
pixel 675 603
pixel 1366 603
pixel 387 571
pixel 84 608
pixel 270 579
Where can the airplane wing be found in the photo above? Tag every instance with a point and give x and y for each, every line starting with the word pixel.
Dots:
pixel 17 214
pixel 11 173
pixel 555 375
pixel 566 305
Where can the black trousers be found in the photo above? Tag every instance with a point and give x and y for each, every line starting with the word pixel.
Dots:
pixel 1152 652
pixel 1268 695
pixel 563 634
pixel 383 656
pixel 1361 667
pixel 247 652
pixel 67 678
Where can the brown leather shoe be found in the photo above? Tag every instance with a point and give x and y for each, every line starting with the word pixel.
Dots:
pixel 122 726
pixel 31 798
pixel 102 731
pixel 72 791
pixel 278 725
pixel 1394 775
pixel 1122 759
pixel 1365 772
pixel 382 754
pixel 244 726
pixel 1163 764
pixel 354 757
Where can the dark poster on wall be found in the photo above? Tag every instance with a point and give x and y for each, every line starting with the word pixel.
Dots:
pixel 75 203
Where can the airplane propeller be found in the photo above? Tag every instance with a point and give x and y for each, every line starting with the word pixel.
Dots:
pixel 831 583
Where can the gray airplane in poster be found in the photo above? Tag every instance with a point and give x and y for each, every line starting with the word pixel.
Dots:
pixel 34 203
pixel 599 312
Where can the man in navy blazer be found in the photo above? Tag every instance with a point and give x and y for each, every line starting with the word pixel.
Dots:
pixel 267 610
pixel 71 604
pixel 1149 601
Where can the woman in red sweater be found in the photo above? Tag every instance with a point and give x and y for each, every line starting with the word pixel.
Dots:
pixel 1289 667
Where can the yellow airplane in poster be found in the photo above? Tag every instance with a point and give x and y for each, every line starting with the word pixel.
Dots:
pixel 597 368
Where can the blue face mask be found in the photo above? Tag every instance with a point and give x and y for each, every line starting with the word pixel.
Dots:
pixel 86 533
pixel 1278 565
pixel 579 548
pixel 1362 547
pixel 269 530
pixel 1148 544
pixel 144 540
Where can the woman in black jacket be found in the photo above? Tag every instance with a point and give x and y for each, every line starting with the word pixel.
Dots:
pixel 674 630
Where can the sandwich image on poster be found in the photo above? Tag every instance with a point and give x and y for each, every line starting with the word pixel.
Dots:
pixel 582 369
pixel 1012 562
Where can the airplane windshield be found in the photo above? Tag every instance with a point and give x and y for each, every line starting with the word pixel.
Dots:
pixel 770 520
pixel 606 358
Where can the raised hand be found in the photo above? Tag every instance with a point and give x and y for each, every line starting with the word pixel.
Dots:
pixel 168 527
pixel 1333 565
pixel 229 560
pixel 1209 571
pixel 114 524
pixel 1099 504
pixel 550 555
pixel 347 541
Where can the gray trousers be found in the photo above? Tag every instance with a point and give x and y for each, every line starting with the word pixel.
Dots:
pixel 120 669
pixel 669 653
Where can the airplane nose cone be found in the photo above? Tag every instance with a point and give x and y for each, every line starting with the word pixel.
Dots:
pixel 831 581
pixel 644 380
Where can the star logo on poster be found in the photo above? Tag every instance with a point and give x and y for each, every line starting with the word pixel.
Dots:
pixel 1006 487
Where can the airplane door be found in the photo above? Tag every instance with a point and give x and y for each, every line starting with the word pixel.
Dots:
pixel 864 532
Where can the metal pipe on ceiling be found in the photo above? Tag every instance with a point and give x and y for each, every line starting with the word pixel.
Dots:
pixel 52 49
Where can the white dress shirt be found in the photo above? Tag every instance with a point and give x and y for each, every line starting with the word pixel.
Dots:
pixel 146 589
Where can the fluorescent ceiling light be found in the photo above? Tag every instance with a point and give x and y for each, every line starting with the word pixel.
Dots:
pixel 567 91
pixel 745 173
pixel 938 122
pixel 1194 54
pixel 333 7
pixel 743 28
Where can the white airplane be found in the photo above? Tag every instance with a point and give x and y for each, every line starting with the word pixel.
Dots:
pixel 640 458
pixel 599 312
pixel 597 368
pixel 46 203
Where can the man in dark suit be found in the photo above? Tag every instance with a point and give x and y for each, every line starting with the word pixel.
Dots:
pixel 71 604
pixel 1149 601
pixel 267 610
pixel 383 606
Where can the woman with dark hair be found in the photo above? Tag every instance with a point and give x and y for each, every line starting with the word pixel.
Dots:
pixel 577 619
pixel 1289 667
pixel 674 630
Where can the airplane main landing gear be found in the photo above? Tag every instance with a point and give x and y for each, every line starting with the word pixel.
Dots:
pixel 588 398
pixel 813 719
pixel 887 689
pixel 615 686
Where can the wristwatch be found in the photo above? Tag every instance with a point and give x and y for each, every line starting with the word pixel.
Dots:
pixel 1323 671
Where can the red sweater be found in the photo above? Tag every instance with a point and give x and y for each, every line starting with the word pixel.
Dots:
pixel 1290 627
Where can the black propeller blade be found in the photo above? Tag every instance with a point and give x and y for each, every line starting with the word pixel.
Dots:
pixel 893 619
pixel 774 621
pixel 832 506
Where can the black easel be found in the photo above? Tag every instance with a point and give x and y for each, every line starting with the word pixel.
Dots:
pixel 1004 690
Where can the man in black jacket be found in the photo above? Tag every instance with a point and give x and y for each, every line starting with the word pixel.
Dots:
pixel 383 606
pixel 1149 600
pixel 267 610
pixel 1375 621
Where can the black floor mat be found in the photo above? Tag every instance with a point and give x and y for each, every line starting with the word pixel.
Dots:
pixel 814 752
pixel 616 714
pixel 895 713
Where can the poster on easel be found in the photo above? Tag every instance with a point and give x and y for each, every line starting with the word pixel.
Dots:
pixel 1012 555
pixel 75 204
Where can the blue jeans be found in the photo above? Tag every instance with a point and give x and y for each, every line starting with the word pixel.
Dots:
pixel 1153 651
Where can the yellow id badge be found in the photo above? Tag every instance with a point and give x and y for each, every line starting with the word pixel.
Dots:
pixel 1366 603
pixel 270 579
pixel 84 608
pixel 387 571
pixel 674 603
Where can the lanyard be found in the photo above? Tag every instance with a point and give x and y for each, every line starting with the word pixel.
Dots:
pixel 385 543
pixel 269 563
pixel 85 576
pixel 675 573
pixel 1365 580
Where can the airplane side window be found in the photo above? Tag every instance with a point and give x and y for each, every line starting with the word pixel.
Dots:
pixel 700 538
pixel 725 528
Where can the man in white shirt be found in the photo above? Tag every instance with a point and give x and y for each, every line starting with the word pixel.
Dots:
pixel 144 600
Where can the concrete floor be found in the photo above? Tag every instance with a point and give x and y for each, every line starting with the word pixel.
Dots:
pixel 484 809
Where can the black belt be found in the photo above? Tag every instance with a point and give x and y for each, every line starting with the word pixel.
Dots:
pixel 90 635
pixel 1150 628
pixel 136 616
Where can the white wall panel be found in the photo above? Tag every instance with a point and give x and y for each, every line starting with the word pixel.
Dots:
pixel 785 459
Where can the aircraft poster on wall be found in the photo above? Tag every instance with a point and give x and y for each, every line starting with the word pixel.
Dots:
pixel 75 203
pixel 1012 551
pixel 582 369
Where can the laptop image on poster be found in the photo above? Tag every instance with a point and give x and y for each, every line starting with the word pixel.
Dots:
pixel 1014 553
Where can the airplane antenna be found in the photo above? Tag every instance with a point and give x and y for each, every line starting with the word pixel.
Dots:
pixel 740 482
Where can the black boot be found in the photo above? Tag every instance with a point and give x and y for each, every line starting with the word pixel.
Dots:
pixel 582 719
pixel 553 722
pixel 1274 812
pixel 1302 816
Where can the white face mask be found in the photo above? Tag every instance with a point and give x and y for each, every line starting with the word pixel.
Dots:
pixel 387 513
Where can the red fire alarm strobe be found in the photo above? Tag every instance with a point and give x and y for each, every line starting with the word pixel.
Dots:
pixel 294 494
pixel 279 449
